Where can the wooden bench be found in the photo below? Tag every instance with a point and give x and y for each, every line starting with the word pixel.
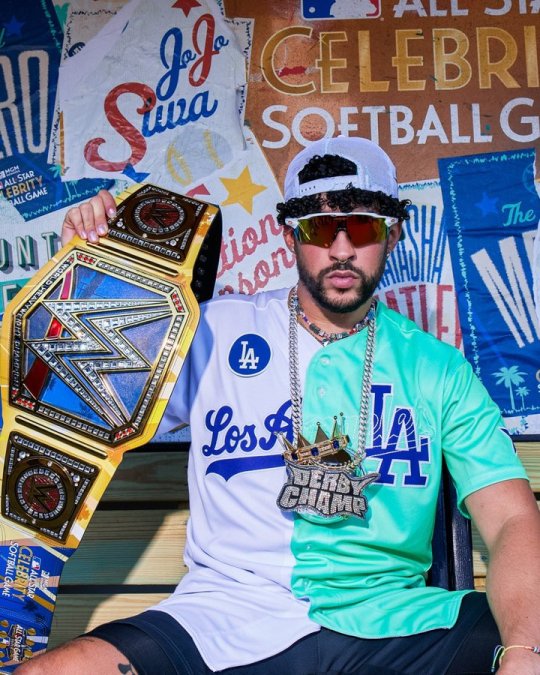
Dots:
pixel 131 554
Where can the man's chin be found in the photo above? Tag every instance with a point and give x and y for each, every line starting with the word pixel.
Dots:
pixel 341 301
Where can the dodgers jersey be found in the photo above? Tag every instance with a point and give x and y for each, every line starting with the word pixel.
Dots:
pixel 259 578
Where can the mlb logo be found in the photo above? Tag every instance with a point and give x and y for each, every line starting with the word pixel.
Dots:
pixel 36 563
pixel 341 9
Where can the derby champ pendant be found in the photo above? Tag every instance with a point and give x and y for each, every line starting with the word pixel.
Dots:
pixel 321 478
pixel 91 348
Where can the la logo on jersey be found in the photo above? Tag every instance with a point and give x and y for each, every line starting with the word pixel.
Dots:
pixel 249 355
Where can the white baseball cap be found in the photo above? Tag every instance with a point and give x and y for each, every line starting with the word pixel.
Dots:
pixel 375 171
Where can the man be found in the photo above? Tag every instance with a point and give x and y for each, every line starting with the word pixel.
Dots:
pixel 319 565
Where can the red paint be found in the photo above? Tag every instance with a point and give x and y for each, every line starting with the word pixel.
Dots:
pixel 37 373
pixel 186 5
pixel 204 27
pixel 120 124
pixel 297 70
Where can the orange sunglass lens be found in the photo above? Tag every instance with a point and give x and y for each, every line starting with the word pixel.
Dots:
pixel 361 229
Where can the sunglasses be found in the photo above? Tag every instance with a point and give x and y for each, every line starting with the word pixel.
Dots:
pixel 320 229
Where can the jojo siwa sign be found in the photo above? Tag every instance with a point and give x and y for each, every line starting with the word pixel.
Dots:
pixel 192 70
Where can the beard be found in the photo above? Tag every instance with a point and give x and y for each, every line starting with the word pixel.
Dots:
pixel 344 304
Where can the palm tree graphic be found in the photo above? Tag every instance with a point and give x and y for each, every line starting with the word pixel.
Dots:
pixel 509 377
pixel 522 392
pixel 57 172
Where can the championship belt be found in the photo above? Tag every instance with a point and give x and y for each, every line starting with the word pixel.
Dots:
pixel 90 350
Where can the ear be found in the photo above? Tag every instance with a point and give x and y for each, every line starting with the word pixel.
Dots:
pixel 393 236
pixel 288 236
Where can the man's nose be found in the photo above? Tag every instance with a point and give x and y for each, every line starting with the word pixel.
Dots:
pixel 342 248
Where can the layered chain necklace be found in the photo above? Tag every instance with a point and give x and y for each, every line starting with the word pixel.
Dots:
pixel 322 478
pixel 326 338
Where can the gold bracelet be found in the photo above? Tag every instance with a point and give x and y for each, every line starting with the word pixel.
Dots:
pixel 500 651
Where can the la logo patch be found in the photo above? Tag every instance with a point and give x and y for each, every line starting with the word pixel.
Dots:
pixel 249 355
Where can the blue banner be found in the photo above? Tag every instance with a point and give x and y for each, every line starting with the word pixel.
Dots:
pixel 491 213
pixel 31 41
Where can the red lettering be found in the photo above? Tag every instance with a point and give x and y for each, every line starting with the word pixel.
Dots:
pixel 391 301
pixel 244 286
pixel 264 271
pixel 249 241
pixel 263 274
pixel 119 122
pixel 441 329
pixel 423 307
pixel 206 24
pixel 275 227
pixel 231 255
pixel 408 291
pixel 441 313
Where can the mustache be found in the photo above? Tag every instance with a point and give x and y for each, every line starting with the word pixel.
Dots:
pixel 343 266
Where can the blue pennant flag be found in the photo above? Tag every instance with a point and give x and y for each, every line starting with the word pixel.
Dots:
pixel 491 213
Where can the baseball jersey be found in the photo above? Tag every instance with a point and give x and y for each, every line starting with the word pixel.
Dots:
pixel 260 578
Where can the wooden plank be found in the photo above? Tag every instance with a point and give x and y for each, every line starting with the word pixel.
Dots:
pixel 76 614
pixel 529 453
pixel 480 555
pixel 161 475
pixel 150 477
pixel 130 547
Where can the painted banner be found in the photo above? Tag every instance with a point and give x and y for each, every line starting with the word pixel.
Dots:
pixel 33 197
pixel 253 254
pixel 214 97
pixel 425 78
pixel 32 41
pixel 122 120
pixel 536 273
pixel 491 214
pixel 418 281
pixel 81 19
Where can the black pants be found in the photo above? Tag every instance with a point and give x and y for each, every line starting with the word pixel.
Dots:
pixel 155 644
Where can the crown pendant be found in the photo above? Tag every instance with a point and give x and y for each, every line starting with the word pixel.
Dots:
pixel 321 477
pixel 327 451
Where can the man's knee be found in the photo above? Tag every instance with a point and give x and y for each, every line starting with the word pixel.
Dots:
pixel 82 656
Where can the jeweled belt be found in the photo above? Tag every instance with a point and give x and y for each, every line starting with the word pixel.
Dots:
pixel 91 348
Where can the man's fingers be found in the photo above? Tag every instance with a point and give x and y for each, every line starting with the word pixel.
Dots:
pixel 108 203
pixel 89 220
pixel 72 225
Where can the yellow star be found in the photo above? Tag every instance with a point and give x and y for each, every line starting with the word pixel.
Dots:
pixel 242 190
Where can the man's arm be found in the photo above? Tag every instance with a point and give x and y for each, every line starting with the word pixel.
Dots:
pixel 507 517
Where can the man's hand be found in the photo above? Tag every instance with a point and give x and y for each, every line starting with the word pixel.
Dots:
pixel 89 219
pixel 507 517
